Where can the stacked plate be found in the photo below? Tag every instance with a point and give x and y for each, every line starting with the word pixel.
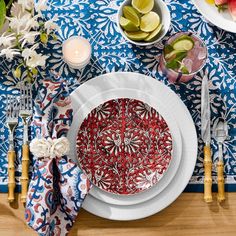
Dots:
pixel 136 141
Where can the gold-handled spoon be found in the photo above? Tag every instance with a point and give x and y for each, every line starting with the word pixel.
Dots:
pixel 220 134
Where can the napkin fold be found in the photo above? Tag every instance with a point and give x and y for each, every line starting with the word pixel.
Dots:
pixel 58 186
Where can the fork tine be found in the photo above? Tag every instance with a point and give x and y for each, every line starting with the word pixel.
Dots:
pixel 31 98
pixel 21 107
pixel 27 97
pixel 11 106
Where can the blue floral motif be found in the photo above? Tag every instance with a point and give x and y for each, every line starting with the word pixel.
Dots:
pixel 96 20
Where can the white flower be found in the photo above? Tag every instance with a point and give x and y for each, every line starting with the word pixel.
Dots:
pixel 26 4
pixel 20 23
pixel 60 147
pixel 36 60
pixel 50 25
pixel 29 37
pixel 40 147
pixel 16 10
pixel 32 58
pixel 9 53
pixel 32 23
pixel 43 148
pixel 6 40
pixel 41 5
pixel 28 52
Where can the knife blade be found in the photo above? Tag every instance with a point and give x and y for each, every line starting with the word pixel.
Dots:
pixel 205 112
pixel 206 136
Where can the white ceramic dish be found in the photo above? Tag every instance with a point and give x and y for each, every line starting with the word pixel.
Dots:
pixel 184 120
pixel 161 9
pixel 81 110
pixel 222 20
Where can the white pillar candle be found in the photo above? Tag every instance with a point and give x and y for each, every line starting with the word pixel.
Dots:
pixel 76 52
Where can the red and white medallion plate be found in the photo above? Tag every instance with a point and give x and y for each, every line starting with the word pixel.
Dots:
pixel 124 146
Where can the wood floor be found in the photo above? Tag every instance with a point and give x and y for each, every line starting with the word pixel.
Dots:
pixel 188 215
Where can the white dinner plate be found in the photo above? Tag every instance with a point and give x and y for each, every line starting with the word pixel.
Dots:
pixel 81 110
pixel 184 120
pixel 221 19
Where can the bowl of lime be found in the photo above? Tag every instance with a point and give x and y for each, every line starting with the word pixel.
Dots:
pixel 143 22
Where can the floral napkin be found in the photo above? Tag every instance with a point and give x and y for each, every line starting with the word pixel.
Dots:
pixel 58 186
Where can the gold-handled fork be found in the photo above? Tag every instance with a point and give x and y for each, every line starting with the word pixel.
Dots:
pixel 25 114
pixel 12 113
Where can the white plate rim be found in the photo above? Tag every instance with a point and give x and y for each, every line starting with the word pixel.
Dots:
pixel 83 109
pixel 222 23
pixel 169 194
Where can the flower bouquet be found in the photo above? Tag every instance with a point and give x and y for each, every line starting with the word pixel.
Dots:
pixel 22 30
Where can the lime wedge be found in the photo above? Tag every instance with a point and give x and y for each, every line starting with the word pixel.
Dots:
pixel 154 33
pixel 143 6
pixel 127 24
pixel 137 36
pixel 174 54
pixel 131 14
pixel 184 42
pixel 149 22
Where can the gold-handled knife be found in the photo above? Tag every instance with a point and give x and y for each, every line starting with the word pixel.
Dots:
pixel 206 136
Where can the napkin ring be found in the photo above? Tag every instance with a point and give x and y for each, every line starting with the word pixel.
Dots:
pixel 49 148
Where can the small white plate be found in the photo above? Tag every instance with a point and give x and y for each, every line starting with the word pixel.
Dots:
pixel 82 110
pixel 221 19
pixel 189 138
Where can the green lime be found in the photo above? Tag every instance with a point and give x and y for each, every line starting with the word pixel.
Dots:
pixel 137 36
pixel 149 22
pixel 127 24
pixel 131 14
pixel 184 42
pixel 143 6
pixel 154 33
pixel 176 54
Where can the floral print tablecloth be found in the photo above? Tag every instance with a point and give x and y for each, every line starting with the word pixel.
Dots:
pixel 96 20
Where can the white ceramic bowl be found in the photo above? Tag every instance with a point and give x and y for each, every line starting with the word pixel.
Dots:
pixel 161 9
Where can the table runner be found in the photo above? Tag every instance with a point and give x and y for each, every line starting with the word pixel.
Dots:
pixel 96 20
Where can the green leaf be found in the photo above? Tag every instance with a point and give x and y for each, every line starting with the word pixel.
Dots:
pixel 184 70
pixel 2 12
pixel 174 64
pixel 168 49
pixel 180 56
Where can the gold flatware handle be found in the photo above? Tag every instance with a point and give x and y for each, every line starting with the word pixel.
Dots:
pixel 25 172
pixel 221 181
pixel 11 176
pixel 207 174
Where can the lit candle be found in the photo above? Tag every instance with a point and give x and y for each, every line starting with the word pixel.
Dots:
pixel 76 52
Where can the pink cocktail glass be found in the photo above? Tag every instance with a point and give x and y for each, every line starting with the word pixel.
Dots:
pixel 194 61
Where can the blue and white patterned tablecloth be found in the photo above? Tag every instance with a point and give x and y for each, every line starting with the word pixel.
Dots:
pixel 96 20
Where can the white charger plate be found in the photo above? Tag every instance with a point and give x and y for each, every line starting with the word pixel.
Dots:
pixel 81 110
pixel 221 19
pixel 184 120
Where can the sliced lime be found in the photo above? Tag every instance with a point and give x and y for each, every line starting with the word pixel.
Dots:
pixel 149 22
pixel 131 14
pixel 137 36
pixel 184 42
pixel 174 54
pixel 154 34
pixel 127 24
pixel 143 6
